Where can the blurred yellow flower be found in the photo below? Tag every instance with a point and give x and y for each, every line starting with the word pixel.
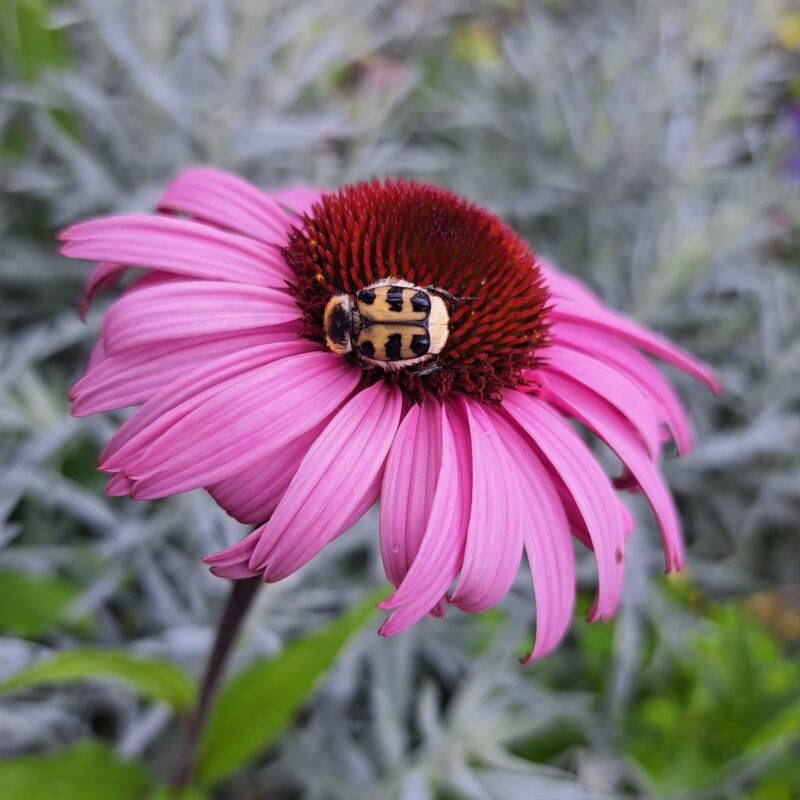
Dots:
pixel 789 31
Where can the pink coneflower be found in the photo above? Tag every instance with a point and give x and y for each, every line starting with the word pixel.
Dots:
pixel 302 354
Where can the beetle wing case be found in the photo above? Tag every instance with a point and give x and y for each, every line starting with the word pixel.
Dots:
pixel 438 323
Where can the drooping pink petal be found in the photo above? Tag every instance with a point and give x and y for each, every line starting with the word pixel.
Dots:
pixel 596 316
pixel 409 485
pixel 232 561
pixel 496 521
pixel 118 486
pixel 547 539
pixel 228 201
pixel 576 522
pixel 299 199
pixel 423 533
pixel 638 368
pixel 238 424
pixel 180 246
pixel 589 486
pixel 252 494
pixel 338 478
pixel 234 572
pixel 103 276
pixel 180 396
pixel 612 384
pixel 133 376
pixel 184 309
pixel 599 417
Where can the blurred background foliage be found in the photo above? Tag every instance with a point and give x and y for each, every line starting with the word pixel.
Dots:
pixel 653 148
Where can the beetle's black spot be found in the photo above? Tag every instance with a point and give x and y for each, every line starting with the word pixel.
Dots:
pixel 420 344
pixel 367 349
pixel 394 297
pixel 394 347
pixel 421 302
pixel 366 296
pixel 338 330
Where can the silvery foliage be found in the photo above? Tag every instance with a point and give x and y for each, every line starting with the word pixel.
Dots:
pixel 633 142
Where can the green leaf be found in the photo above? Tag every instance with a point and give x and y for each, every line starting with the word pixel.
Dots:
pixel 258 702
pixel 89 771
pixel 152 678
pixel 730 693
pixel 29 606
pixel 785 723
pixel 33 44
pixel 167 793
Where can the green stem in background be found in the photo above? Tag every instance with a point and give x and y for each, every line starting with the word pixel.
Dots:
pixel 240 600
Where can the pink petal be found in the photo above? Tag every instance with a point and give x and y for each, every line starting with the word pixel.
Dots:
pixel 232 561
pixel 228 201
pixel 563 285
pixel 104 276
pixel 118 486
pixel 180 246
pixel 597 316
pixel 547 538
pixel 216 436
pixel 183 309
pixel 615 432
pixel 107 274
pixel 176 398
pixel 611 384
pixel 234 572
pixel 638 368
pixel 337 481
pixel 299 199
pixel 588 485
pixel 424 571
pixel 97 355
pixel 409 485
pixel 496 522
pixel 576 522
pixel 133 376
pixel 252 494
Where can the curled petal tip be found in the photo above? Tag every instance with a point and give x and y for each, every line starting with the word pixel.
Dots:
pixel 676 564
pixel 593 612
pixel 389 628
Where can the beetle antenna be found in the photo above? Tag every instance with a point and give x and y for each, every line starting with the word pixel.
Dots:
pixel 453 298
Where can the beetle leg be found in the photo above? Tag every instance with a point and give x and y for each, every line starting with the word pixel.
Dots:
pixel 427 370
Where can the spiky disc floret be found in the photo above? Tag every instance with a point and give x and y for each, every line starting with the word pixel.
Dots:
pixel 431 237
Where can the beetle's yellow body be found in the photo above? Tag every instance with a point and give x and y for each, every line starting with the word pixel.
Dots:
pixel 390 324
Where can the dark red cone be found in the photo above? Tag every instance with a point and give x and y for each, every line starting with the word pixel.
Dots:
pixel 430 237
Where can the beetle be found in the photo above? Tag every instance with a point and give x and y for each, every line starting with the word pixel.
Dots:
pixel 389 324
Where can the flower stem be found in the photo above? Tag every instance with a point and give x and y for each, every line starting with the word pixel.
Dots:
pixel 240 600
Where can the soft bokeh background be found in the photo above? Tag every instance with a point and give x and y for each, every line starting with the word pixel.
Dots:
pixel 653 148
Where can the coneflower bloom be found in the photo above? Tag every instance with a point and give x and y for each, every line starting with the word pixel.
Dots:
pixel 283 350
